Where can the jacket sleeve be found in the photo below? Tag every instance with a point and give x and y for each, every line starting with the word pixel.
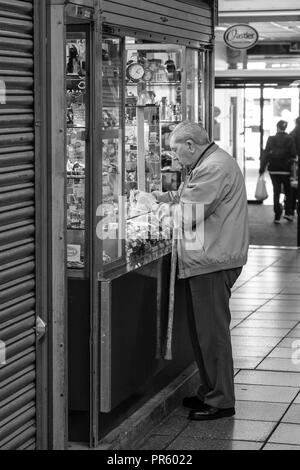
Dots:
pixel 264 161
pixel 199 198
pixel 293 150
pixel 204 193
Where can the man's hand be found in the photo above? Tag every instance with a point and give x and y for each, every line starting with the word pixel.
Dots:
pixel 145 201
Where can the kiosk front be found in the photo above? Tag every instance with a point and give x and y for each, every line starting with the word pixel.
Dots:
pixel 126 88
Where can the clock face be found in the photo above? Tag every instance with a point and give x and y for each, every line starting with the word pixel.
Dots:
pixel 135 72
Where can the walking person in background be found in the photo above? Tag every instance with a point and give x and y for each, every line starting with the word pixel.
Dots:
pixel 278 156
pixel 295 134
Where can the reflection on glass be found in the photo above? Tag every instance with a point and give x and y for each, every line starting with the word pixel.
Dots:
pixel 154 107
pixel 76 147
pixel 142 149
pixel 111 147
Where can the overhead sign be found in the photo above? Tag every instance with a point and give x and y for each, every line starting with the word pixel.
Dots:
pixel 241 36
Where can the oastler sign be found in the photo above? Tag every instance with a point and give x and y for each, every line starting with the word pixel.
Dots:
pixel 241 36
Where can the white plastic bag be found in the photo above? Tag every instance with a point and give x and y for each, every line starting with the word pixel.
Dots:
pixel 261 192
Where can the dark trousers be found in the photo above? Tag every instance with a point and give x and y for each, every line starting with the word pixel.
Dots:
pixel 209 324
pixel 294 200
pixel 278 181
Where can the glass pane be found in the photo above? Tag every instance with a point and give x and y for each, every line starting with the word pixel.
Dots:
pixel 77 95
pixel 153 108
pixel 253 130
pixel 195 86
pixel 112 146
pixel 229 122
pixel 142 149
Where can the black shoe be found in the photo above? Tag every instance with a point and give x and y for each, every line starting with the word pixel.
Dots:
pixel 208 413
pixel 192 402
pixel 290 218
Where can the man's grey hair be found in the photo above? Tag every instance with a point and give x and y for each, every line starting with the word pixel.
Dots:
pixel 188 130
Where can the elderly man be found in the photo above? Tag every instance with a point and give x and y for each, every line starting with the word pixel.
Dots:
pixel 212 245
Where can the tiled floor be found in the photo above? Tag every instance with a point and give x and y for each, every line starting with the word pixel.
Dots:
pixel 265 326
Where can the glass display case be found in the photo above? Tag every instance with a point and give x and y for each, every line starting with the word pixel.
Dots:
pixel 147 89
pixel 155 76
pixel 112 150
pixel 77 151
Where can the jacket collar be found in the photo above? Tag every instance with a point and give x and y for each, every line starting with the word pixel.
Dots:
pixel 212 147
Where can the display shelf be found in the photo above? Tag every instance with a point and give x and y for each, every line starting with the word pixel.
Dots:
pixel 69 79
pixel 110 274
pixel 76 127
pixel 77 177
pixel 154 83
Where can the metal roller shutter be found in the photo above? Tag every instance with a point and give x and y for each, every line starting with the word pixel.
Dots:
pixel 17 227
pixel 192 22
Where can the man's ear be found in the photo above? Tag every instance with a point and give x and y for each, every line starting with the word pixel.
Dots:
pixel 191 145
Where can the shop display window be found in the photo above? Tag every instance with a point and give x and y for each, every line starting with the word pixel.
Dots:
pixel 76 151
pixel 195 86
pixel 154 77
pixel 112 150
pixel 147 89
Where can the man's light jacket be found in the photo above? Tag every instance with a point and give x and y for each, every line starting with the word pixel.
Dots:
pixel 211 215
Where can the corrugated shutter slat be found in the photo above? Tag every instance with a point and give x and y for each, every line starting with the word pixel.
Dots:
pixel 176 21
pixel 17 226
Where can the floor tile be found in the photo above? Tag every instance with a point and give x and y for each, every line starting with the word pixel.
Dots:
pixel 239 315
pixel 270 332
pixel 289 343
pixel 235 322
pixel 275 316
pixel 293 415
pixel 245 309
pixel 289 290
pixel 247 302
pixel 247 362
pixel 297 400
pixel 286 434
pixel 272 324
pixel 288 297
pixel 229 428
pixel 294 334
pixel 277 307
pixel 266 393
pixel 260 411
pixel 248 295
pixel 279 365
pixel 280 447
pixel 282 353
pixel 254 341
pixel 192 443
pixel 260 290
pixel 283 302
pixel 251 351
